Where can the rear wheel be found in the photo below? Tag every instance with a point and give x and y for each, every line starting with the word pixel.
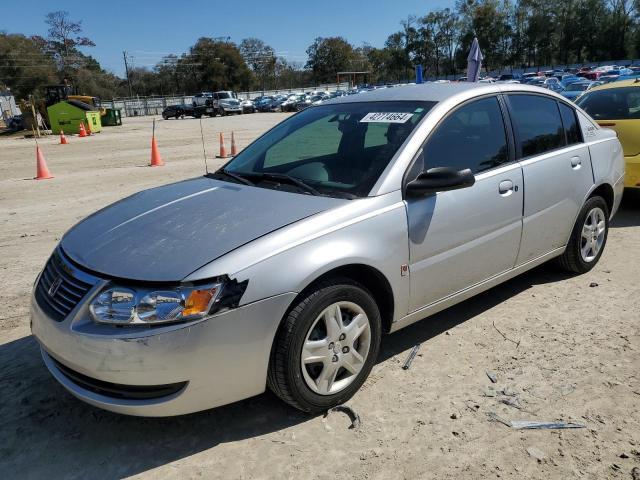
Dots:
pixel 326 346
pixel 588 238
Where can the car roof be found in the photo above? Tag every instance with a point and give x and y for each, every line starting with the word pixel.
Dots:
pixel 438 92
pixel 620 84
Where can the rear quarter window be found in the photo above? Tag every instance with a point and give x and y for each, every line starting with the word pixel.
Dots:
pixel 538 124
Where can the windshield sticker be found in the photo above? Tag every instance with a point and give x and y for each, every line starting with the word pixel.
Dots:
pixel 386 117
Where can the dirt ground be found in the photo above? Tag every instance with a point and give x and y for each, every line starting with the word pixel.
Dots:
pixel 571 353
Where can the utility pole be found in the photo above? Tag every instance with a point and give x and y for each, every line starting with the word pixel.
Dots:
pixel 126 68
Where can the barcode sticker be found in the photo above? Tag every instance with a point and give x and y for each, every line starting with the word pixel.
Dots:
pixel 386 117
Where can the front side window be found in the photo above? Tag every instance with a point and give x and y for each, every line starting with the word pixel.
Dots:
pixel 612 104
pixel 338 150
pixel 473 136
pixel 538 124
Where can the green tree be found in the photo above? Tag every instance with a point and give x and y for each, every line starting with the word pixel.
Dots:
pixel 261 58
pixel 328 56
pixel 24 67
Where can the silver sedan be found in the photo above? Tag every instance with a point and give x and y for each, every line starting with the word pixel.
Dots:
pixel 351 219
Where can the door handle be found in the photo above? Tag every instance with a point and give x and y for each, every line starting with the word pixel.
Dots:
pixel 505 187
pixel 576 162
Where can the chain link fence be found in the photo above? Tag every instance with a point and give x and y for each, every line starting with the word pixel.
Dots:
pixel 140 106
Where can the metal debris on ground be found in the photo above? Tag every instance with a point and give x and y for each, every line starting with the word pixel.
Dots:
pixel 531 425
pixel 492 376
pixel 353 416
pixel 412 355
pixel 525 424
pixel 593 284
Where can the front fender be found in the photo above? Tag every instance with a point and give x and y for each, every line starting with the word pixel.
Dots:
pixel 373 233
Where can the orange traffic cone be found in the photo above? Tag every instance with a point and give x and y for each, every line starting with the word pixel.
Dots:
pixel 42 172
pixel 83 132
pixel 223 151
pixel 234 149
pixel 156 160
pixel 63 139
pixel 89 132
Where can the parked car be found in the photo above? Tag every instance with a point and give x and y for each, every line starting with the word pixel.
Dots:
pixel 307 101
pixel 247 106
pixel 271 104
pixel 289 105
pixel 569 79
pixel 261 101
pixel 177 111
pixel 617 106
pixel 284 267
pixel 527 77
pixel 537 81
pixel 203 104
pixel 552 83
pixel 509 76
pixel 226 103
pixel 575 89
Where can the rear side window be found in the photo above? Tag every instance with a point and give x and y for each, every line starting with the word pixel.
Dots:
pixel 538 124
pixel 570 122
pixel 473 136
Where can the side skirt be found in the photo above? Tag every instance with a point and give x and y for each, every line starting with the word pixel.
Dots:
pixel 469 292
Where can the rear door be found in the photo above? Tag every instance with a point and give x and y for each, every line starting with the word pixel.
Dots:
pixel 557 171
pixel 460 238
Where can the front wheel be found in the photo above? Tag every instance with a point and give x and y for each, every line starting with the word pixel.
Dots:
pixel 588 237
pixel 326 346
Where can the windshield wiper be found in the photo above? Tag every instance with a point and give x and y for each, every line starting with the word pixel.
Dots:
pixel 235 176
pixel 291 180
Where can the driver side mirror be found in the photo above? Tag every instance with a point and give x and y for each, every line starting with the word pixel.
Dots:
pixel 440 179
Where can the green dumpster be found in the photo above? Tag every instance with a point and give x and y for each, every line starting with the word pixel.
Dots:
pixel 67 116
pixel 111 117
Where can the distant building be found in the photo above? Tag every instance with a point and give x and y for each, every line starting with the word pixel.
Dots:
pixel 8 107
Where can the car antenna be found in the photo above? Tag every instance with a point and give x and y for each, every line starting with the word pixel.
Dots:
pixel 204 152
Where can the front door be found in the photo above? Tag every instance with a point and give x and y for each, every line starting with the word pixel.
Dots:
pixel 462 237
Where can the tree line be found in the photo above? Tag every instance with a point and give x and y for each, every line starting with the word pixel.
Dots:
pixel 512 33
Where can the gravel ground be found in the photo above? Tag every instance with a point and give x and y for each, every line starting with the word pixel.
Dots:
pixel 560 349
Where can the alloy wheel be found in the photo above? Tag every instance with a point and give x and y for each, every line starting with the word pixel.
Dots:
pixel 335 348
pixel 593 233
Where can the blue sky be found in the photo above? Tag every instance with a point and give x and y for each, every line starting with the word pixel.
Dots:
pixel 147 30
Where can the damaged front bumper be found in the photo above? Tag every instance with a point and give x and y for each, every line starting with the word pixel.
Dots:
pixel 161 371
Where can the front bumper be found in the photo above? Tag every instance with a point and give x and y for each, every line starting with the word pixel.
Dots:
pixel 632 172
pixel 201 365
pixel 230 109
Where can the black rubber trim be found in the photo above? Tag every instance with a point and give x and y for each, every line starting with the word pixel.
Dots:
pixel 116 390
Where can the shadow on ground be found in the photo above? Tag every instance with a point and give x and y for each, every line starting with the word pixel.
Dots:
pixel 43 429
pixel 629 213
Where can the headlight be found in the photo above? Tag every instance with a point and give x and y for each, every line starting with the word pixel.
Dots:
pixel 126 306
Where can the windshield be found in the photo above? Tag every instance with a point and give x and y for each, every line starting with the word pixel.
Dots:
pixel 223 95
pixel 339 150
pixel 612 104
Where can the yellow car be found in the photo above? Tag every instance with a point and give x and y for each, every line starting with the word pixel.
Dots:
pixel 616 105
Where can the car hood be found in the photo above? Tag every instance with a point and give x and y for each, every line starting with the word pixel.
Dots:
pixel 165 233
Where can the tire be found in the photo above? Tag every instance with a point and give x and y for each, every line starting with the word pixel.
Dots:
pixel 305 388
pixel 222 112
pixel 197 115
pixel 587 243
pixel 165 117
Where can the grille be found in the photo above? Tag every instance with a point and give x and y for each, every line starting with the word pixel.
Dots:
pixel 59 289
